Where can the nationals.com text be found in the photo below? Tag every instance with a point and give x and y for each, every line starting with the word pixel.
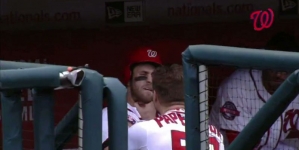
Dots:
pixel 212 9
pixel 16 17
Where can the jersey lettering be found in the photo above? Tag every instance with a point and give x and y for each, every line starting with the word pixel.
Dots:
pixel 290 123
pixel 178 140
pixel 214 130
pixel 214 138
pixel 171 118
pixel 213 144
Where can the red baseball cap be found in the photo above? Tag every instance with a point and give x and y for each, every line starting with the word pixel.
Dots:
pixel 141 55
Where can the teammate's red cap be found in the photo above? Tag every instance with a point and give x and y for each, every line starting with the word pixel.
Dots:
pixel 141 55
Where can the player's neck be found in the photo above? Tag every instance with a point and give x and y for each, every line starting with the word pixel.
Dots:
pixel 130 100
pixel 163 110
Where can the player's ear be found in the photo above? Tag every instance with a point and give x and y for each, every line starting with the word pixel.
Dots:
pixel 129 84
pixel 128 92
pixel 128 87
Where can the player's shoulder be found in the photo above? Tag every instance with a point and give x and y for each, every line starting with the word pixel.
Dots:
pixel 240 78
pixel 137 135
pixel 239 74
pixel 140 127
pixel 148 125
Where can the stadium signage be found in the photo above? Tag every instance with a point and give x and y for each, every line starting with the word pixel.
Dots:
pixel 288 7
pixel 124 11
pixel 68 14
pixel 262 19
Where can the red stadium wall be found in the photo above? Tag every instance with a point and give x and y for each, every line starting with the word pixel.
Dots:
pixel 105 50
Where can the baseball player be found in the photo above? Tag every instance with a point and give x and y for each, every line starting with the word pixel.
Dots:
pixel 167 132
pixel 242 95
pixel 139 89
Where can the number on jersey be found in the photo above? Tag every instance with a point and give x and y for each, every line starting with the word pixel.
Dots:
pixel 178 140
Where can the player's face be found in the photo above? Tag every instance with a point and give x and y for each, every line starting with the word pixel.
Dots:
pixel 275 79
pixel 141 84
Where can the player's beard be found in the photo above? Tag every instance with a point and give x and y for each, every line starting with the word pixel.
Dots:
pixel 140 95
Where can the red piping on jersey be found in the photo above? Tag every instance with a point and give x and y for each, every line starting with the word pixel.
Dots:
pixel 262 99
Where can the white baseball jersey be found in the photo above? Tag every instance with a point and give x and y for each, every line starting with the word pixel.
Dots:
pixel 240 97
pixel 133 117
pixel 166 132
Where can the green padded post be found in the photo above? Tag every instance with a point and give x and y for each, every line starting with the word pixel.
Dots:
pixel 243 57
pixel 29 78
pixel 67 127
pixel 117 114
pixel 192 118
pixel 12 120
pixel 92 103
pixel 43 114
pixel 6 65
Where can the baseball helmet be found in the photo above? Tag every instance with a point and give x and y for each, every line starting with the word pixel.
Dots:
pixel 141 55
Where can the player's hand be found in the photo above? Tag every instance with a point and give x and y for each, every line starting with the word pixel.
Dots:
pixel 147 111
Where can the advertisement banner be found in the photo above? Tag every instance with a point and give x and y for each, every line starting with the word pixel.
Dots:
pixel 115 12
pixel 49 14
pixel 288 7
pixel 67 14
pixel 133 11
pixel 124 11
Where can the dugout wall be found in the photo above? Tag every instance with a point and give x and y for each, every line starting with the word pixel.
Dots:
pixel 93 47
pixel 196 62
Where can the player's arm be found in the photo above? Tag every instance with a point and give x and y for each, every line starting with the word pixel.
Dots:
pixel 225 112
pixel 216 117
pixel 137 137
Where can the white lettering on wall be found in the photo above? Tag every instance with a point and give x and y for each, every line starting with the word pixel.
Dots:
pixel 27 113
